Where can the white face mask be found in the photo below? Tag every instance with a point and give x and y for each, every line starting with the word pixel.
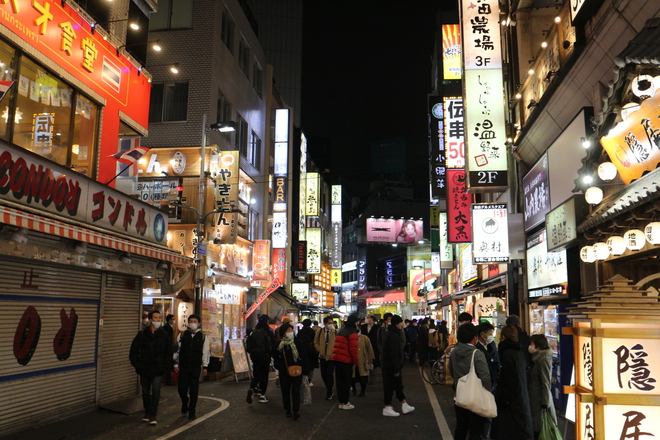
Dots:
pixel 532 349
pixel 157 324
pixel 489 339
pixel 329 326
pixel 289 335
pixel 193 326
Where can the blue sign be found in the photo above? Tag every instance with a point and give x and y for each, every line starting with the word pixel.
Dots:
pixel 201 249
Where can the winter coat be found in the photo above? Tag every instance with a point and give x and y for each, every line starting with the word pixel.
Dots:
pixel 306 336
pixel 523 339
pixel 540 381
pixel 423 337
pixel 373 337
pixel 281 364
pixel 192 350
pixel 514 418
pixel 260 345
pixel 346 346
pixel 412 332
pixel 325 351
pixel 392 354
pixel 365 355
pixel 493 359
pixel 461 361
pixel 151 353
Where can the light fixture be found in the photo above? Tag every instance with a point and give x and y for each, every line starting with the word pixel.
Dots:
pixel 532 104
pixel 593 195
pixel 586 143
pixel 518 96
pixel 224 126
pixel 601 250
pixel 634 239
pixel 616 245
pixel 126 258
pixel 607 171
pixel 80 248
pixel 395 244
pixel 558 19
pixel 175 68
pixel 587 254
pixel 544 44
pixel 587 180
pixel 530 71
pixel 217 241
pixel 652 232
pixel 133 24
pixel 20 236
pixel 155 45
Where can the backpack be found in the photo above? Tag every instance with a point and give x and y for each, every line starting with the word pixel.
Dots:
pixel 433 340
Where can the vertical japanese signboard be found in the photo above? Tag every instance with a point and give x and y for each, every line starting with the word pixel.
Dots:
pixel 536 190
pixel 279 230
pixel 446 249
pixel 226 192
pixel 279 265
pixel 336 229
pixel 458 208
pixel 438 157
pixel 490 233
pixel 311 201
pixel 451 52
pixel 261 260
pixel 362 275
pixel 313 250
pixel 454 132
pixel 486 157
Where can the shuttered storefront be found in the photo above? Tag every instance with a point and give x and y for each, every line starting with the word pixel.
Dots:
pixel 48 341
pixel 121 315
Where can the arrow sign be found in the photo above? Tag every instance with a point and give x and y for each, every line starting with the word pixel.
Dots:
pixel 262 296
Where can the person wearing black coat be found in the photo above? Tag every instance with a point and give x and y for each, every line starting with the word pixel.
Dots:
pixel 290 352
pixel 151 356
pixel 514 417
pixel 260 345
pixel 370 329
pixel 523 339
pixel 306 336
pixel 392 364
pixel 169 329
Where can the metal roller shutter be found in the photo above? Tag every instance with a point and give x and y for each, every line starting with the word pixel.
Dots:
pixel 48 341
pixel 121 319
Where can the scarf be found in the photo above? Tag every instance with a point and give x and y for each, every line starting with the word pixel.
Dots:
pixel 289 343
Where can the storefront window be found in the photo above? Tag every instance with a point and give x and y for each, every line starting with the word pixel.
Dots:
pixel 84 136
pixel 7 66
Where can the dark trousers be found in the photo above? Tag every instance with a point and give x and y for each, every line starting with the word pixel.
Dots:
pixel 189 381
pixel 150 393
pixel 468 422
pixel 260 370
pixel 362 380
pixel 391 384
pixel 413 351
pixel 423 353
pixel 344 373
pixel 290 387
pixel 327 373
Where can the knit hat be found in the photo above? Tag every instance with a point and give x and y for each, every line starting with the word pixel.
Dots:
pixel 396 319
pixel 286 320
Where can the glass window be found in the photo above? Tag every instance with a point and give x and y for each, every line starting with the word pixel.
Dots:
pixel 172 14
pixel 169 102
pixel 241 135
pixel 257 79
pixel 7 70
pixel 244 57
pixel 227 31
pixel 223 113
pixel 255 150
pixel 84 136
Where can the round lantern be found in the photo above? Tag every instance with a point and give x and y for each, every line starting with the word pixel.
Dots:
pixel 587 254
pixel 606 171
pixel 601 250
pixel 616 245
pixel 634 239
pixel 652 233
pixel 593 195
pixel 643 86
pixel 629 108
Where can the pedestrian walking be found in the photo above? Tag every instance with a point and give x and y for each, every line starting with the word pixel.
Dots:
pixel 290 353
pixel 392 364
pixel 306 335
pixel 190 360
pixel 486 344
pixel 151 356
pixel 423 341
pixel 345 357
pixel 540 380
pixel 468 424
pixel 365 364
pixel 514 417
pixel 260 345
pixel 324 343
pixel 382 332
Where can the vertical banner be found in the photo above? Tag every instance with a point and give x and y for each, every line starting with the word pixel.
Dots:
pixel 454 132
pixel 279 230
pixel 452 68
pixel 536 190
pixel 458 208
pixel 301 259
pixel 280 193
pixel 336 228
pixel 279 265
pixel 313 250
pixel 490 233
pixel 261 260
pixel 446 249
pixel 362 275
pixel 312 194
pixel 226 195
pixel 486 157
pixel 437 154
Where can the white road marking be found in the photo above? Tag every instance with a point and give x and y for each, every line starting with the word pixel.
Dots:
pixel 223 406
pixel 445 432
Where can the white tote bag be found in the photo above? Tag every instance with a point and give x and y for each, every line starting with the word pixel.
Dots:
pixel 471 394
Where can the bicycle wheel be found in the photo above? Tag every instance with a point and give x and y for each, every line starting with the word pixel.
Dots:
pixel 427 372
pixel 438 371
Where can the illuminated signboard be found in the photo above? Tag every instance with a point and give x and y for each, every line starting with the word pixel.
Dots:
pixel 383 230
pixel 311 201
pixel 536 191
pixel 279 265
pixel 300 291
pixel 313 250
pixel 438 153
pixel 458 208
pixel 490 233
pixel 279 195
pixel 335 277
pixel 547 272
pixel 469 270
pixel 261 260
pixel 336 197
pixel 226 193
pixel 336 229
pixel 562 222
pixel 454 132
pixel 279 230
pixel 446 249
pixel 362 275
pixel 451 52
pixel 435 263
pixel 481 34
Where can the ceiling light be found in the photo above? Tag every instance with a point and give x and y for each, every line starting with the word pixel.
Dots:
pixel 587 179
pixel 544 44
pixel 518 96
pixel 135 26
pixel 174 69
pixel 156 47
pixel 531 71
pixel 557 19
pixel 586 143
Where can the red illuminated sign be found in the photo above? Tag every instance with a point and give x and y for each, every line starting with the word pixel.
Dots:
pixel 458 208
pixel 279 265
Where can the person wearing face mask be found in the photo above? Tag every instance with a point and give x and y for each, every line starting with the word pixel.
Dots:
pixel 290 352
pixel 193 354
pixel 486 344
pixel 324 343
pixel 540 377
pixel 151 356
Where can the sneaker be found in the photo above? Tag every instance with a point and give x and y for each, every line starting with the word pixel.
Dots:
pixel 262 399
pixel 328 396
pixel 184 407
pixel 152 420
pixel 249 395
pixel 405 408
pixel 388 411
pixel 346 406
pixel 296 416
pixel 192 415
pixel 145 418
pixel 311 384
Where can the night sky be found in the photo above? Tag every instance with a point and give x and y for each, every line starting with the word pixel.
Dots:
pixel 366 75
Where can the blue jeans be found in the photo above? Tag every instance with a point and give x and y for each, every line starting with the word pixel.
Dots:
pixel 150 393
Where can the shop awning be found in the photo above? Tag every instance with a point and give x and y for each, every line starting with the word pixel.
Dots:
pixel 366 295
pixel 34 222
pixel 387 296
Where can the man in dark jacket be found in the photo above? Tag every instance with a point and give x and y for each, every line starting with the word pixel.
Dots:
pixel 523 339
pixel 193 353
pixel 412 335
pixel 486 345
pixel 392 363
pixel 306 336
pixel 151 356
pixel 345 357
pixel 423 341
pixel 370 329
pixel 260 346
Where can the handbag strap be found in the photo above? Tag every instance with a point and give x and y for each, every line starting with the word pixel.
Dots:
pixel 284 356
pixel 472 361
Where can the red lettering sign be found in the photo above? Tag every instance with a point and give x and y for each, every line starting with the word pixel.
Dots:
pixel 459 226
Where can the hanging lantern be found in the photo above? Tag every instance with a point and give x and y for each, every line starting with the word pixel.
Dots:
pixel 587 254
pixel 634 239
pixel 630 108
pixel 593 195
pixel 601 250
pixel 606 171
pixel 652 233
pixel 616 245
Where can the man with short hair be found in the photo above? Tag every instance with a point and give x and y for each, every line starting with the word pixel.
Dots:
pixel 382 331
pixel 486 345
pixel 151 356
pixel 423 341
pixel 412 336
pixel 523 339
pixel 260 345
pixel 464 318
pixel 370 329
pixel 192 355
pixel 324 343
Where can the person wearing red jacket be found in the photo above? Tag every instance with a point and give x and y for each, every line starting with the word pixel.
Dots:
pixel 345 357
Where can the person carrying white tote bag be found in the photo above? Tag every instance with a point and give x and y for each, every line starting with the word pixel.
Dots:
pixel 471 395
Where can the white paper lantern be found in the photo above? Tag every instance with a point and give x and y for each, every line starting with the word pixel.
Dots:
pixel 616 245
pixel 601 250
pixel 652 233
pixel 607 171
pixel 593 195
pixel 587 254
pixel 634 239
